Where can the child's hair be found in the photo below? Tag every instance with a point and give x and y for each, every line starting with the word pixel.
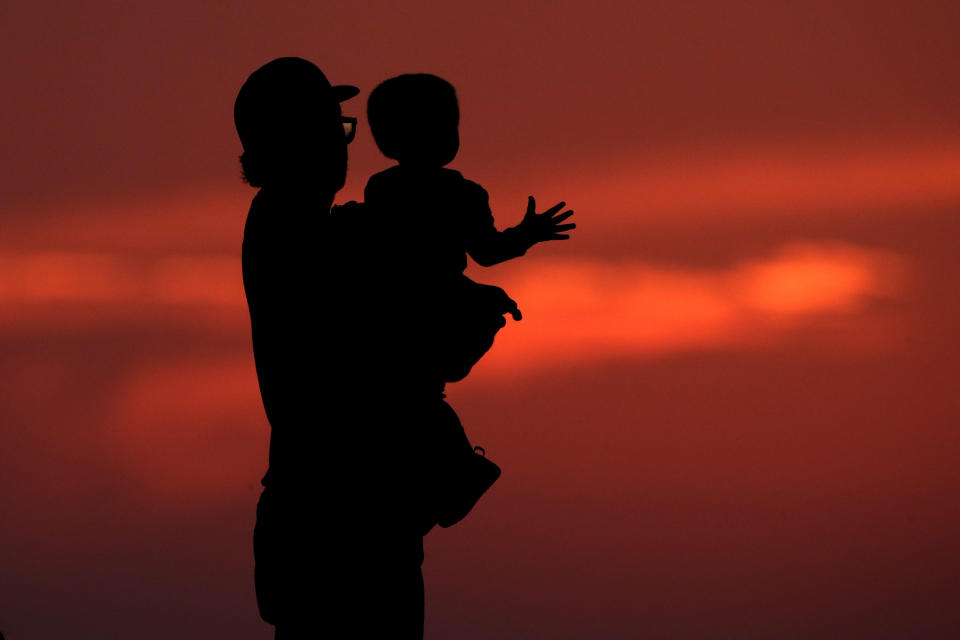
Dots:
pixel 415 117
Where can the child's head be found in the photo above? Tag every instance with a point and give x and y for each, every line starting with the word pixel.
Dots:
pixel 414 119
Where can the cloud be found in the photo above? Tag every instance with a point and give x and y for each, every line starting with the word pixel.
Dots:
pixel 575 309
pixel 183 391
pixel 582 310
pixel 68 276
pixel 692 184
pixel 624 195
pixel 189 426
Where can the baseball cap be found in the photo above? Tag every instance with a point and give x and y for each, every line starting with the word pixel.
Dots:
pixel 276 90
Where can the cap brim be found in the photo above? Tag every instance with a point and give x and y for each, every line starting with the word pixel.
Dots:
pixel 344 92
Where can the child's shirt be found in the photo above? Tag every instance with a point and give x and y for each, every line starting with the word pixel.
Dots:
pixel 439 217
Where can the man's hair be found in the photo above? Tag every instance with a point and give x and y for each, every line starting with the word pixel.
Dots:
pixel 405 111
pixel 250 169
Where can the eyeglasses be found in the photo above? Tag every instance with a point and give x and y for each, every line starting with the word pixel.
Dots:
pixel 349 128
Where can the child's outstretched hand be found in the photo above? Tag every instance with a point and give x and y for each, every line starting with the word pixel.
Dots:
pixel 540 227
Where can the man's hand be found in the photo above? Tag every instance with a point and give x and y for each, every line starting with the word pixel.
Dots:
pixel 540 227
pixel 494 297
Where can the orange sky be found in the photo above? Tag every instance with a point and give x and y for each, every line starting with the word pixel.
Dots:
pixel 729 410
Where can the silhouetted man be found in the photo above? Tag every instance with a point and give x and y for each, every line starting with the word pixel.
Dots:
pixel 337 544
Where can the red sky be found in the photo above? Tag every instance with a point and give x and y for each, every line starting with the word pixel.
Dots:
pixel 729 412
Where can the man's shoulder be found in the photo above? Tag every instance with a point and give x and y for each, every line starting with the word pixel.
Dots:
pixel 274 220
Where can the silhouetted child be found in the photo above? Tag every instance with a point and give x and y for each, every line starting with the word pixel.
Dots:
pixel 435 217
pixel 438 216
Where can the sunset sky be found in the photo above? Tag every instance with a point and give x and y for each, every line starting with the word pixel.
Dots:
pixel 730 410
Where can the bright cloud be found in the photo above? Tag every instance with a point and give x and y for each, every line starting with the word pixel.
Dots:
pixel 574 309
pixel 585 310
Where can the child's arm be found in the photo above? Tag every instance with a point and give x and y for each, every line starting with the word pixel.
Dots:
pixel 489 246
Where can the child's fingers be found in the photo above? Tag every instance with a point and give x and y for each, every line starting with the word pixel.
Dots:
pixel 558 236
pixel 552 210
pixel 564 227
pixel 563 216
